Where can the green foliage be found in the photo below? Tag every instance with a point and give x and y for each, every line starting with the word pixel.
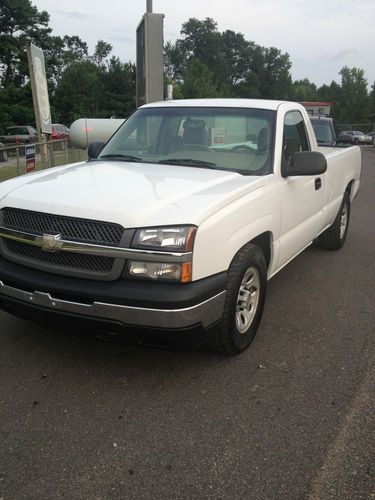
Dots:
pixel 355 100
pixel 20 24
pixel 78 92
pixel 234 67
pixel 304 90
pixel 118 83
pixel 198 81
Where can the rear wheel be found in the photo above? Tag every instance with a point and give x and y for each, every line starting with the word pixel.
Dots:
pixel 334 237
pixel 245 296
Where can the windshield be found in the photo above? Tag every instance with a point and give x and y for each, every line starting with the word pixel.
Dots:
pixel 323 132
pixel 239 140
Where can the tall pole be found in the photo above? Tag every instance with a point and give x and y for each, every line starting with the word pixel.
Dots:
pixel 149 7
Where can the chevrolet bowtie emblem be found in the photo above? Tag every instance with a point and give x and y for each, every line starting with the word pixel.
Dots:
pixel 51 242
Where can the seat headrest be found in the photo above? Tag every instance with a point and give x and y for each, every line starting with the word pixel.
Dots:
pixel 263 140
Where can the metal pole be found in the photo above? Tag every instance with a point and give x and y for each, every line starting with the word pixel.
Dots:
pixel 149 6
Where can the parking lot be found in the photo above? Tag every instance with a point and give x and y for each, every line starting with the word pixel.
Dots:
pixel 291 418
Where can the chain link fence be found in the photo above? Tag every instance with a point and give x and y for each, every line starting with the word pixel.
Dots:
pixel 15 159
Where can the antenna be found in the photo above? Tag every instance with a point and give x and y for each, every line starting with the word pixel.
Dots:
pixel 149 7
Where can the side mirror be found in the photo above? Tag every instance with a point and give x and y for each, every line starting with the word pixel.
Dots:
pixel 305 163
pixel 94 149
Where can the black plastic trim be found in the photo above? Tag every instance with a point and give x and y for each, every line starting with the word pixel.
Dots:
pixel 124 292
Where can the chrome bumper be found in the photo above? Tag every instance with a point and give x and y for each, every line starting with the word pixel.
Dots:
pixel 205 313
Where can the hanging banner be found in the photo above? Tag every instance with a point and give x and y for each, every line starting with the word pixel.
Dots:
pixel 39 88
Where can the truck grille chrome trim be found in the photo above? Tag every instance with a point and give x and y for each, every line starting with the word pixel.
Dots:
pixel 92 249
pixel 207 312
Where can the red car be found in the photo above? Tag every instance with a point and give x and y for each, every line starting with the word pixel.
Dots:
pixel 60 132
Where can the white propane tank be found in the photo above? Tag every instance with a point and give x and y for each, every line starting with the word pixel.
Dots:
pixel 84 131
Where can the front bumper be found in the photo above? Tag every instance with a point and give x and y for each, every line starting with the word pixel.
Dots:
pixel 205 313
pixel 161 306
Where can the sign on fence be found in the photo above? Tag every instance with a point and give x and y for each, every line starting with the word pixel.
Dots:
pixel 30 158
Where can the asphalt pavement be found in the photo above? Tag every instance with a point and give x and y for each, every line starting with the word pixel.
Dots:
pixel 290 418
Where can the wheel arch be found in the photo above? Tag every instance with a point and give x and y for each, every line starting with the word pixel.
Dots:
pixel 349 188
pixel 264 242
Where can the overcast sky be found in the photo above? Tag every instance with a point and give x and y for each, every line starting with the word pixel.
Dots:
pixel 321 36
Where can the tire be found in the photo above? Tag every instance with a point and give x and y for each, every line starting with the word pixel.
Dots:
pixel 334 237
pixel 240 319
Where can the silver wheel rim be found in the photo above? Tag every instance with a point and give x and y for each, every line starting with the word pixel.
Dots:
pixel 247 299
pixel 343 221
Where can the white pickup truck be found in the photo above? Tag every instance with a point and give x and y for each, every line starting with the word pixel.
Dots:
pixel 176 223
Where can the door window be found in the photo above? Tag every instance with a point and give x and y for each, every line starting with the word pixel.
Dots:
pixel 295 137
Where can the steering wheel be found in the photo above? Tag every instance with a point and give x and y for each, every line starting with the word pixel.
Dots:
pixel 242 148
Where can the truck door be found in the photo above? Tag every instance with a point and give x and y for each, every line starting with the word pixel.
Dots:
pixel 302 196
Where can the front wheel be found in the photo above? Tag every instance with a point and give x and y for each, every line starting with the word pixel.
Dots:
pixel 245 296
pixel 334 237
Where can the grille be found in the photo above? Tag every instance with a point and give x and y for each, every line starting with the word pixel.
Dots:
pixel 71 229
pixel 61 259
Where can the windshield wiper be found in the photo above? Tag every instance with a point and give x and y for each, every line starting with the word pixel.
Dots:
pixel 188 162
pixel 121 157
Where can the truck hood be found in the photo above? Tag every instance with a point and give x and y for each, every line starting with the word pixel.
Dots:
pixel 130 194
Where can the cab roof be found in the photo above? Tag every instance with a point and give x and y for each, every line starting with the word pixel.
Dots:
pixel 224 103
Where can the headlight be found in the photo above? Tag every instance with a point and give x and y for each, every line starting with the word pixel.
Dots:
pixel 163 239
pixel 170 239
pixel 155 270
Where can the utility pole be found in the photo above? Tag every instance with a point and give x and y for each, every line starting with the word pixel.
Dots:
pixel 150 84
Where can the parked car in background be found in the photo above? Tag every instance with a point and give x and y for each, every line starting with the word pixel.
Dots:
pixel 325 130
pixel 60 133
pixel 19 134
pixel 355 137
pixel 372 134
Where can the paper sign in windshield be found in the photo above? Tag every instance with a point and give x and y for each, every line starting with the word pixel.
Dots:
pixel 219 136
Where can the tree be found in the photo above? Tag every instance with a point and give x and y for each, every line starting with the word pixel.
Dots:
pixel 372 101
pixel 275 78
pixel 102 51
pixel 304 90
pixel 118 83
pixel 20 24
pixel 198 81
pixel 356 103
pixel 234 67
pixel 78 93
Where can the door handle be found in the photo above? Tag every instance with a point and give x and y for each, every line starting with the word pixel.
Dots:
pixel 318 183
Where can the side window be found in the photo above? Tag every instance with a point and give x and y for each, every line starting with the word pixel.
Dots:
pixel 295 137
